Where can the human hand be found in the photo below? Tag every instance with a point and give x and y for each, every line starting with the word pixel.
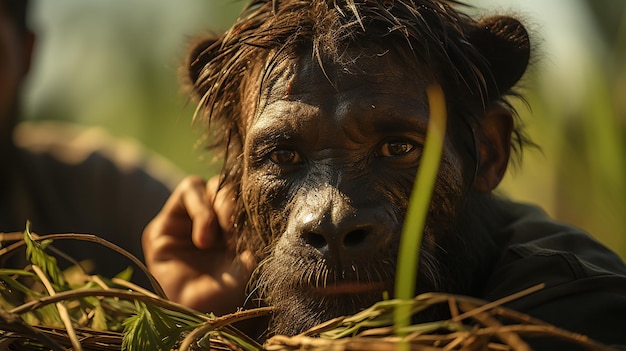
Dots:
pixel 189 248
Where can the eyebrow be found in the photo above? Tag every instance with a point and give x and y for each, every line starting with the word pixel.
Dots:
pixel 390 119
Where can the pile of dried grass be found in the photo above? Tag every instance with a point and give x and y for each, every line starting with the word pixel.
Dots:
pixel 96 313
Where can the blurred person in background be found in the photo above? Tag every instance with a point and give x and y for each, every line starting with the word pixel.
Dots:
pixel 68 179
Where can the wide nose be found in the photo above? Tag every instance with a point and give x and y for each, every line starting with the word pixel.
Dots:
pixel 335 226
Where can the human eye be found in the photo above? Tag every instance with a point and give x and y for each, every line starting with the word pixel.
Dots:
pixel 285 157
pixel 395 148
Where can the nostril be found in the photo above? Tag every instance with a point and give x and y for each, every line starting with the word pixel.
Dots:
pixel 355 238
pixel 315 240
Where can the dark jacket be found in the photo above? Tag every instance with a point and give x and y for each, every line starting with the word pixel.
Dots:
pixel 585 282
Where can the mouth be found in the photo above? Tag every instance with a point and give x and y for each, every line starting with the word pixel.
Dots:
pixel 350 288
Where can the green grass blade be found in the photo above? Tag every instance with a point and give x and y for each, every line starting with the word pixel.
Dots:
pixel 36 254
pixel 410 242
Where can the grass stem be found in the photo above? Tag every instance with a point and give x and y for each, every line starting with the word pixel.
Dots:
pixel 410 242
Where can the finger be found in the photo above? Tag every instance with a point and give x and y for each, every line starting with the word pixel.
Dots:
pixel 223 204
pixel 188 196
pixel 189 202
pixel 220 210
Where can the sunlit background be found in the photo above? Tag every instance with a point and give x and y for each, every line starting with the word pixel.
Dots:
pixel 114 63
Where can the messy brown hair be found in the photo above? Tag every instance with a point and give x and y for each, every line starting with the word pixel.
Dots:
pixel 476 61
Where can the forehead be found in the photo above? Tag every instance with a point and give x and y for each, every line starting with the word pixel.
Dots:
pixel 334 106
pixel 376 80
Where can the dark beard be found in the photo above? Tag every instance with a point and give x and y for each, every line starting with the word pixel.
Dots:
pixel 294 285
pixel 295 314
pixel 456 262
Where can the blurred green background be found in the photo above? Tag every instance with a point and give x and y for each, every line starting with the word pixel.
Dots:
pixel 114 63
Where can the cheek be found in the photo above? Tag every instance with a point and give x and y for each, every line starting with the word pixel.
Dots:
pixel 450 179
pixel 395 186
pixel 265 199
pixel 448 192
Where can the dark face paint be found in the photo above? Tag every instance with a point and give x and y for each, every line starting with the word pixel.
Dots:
pixel 329 162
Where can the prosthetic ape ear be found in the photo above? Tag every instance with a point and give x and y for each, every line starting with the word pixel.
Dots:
pixel 494 147
pixel 505 46
pixel 200 54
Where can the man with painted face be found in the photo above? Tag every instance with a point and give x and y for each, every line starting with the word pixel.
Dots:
pixel 320 110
